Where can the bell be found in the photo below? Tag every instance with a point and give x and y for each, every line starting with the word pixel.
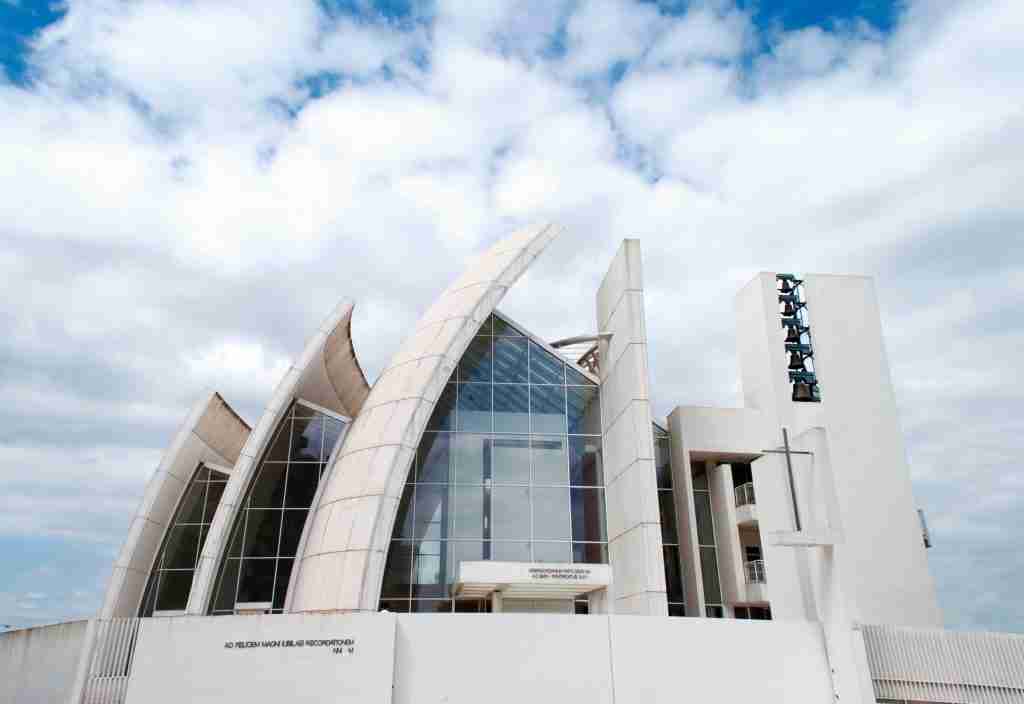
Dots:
pixel 796 362
pixel 787 309
pixel 792 335
pixel 786 287
pixel 802 391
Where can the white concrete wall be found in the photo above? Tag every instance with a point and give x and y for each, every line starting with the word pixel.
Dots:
pixel 187 659
pixel 472 658
pixel 631 492
pixel 889 582
pixel 39 665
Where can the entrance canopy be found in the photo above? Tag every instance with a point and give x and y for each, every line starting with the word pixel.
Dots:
pixel 530 580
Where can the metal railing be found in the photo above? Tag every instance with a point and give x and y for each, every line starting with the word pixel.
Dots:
pixel 110 660
pixel 945 666
pixel 745 494
pixel 755 572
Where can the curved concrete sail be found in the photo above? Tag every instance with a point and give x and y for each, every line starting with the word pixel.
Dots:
pixel 326 374
pixel 345 544
pixel 213 434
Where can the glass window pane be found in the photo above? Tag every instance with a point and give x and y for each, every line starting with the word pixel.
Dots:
pixel 667 510
pixel 268 490
pixel 551 519
pixel 510 361
pixel 574 377
pixel 182 549
pixel 291 531
pixel 585 468
pixel 552 552
pixel 709 570
pixel 262 529
pixel 510 460
pixel 398 570
pixel 677 609
pixel 431 606
pixel 403 519
pixel 278 451
pixel 547 409
pixel 332 433
pixel 443 417
pixel 545 368
pixel 228 586
pixel 468 512
pixel 475 364
pixel 257 582
pixel 302 481
pixel 235 549
pixel 663 463
pixel 588 514
pixel 284 573
pixel 192 504
pixel 705 527
pixel 504 551
pixel 474 408
pixel 511 408
pixel 428 574
pixel 504 328
pixel 510 512
pixel 433 457
pixel 472 452
pixel 395 606
pixel 174 588
pixel 673 575
pixel 462 551
pixel 307 439
pixel 470 606
pixel 550 460
pixel 584 406
pixel 590 553
pixel 431 505
pixel 700 480
pixel 213 493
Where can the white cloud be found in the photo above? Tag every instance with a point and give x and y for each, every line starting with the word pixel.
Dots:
pixel 180 210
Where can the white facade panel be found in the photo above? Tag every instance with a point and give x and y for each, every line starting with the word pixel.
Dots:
pixel 264 659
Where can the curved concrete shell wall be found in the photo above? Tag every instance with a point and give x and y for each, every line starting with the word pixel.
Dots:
pixel 345 545
pixel 212 433
pixel 326 374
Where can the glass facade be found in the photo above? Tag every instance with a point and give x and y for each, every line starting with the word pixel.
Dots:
pixel 267 529
pixel 669 533
pixel 509 468
pixel 171 578
pixel 713 607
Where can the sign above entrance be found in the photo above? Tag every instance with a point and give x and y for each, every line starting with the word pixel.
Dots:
pixel 530 580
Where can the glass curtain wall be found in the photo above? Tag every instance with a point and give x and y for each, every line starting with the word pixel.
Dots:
pixel 509 468
pixel 267 529
pixel 706 543
pixel 171 579
pixel 669 533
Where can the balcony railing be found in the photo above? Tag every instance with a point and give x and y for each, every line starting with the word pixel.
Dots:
pixel 745 494
pixel 755 572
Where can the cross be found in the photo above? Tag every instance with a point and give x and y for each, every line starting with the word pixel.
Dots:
pixel 789 469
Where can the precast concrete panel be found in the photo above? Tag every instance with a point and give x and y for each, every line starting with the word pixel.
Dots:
pixel 345 544
pixel 327 374
pixel 212 433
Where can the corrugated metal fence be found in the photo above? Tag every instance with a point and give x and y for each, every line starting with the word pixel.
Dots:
pixel 110 663
pixel 911 664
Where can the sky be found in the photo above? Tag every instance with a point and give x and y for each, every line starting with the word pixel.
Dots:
pixel 188 188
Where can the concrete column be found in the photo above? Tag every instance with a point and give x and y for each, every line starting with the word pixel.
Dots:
pixel 634 524
pixel 727 538
pixel 686 519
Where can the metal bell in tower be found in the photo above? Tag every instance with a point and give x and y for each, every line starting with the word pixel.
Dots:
pixel 796 362
pixel 787 309
pixel 792 335
pixel 786 287
pixel 802 391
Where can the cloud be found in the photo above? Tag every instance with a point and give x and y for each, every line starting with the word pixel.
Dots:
pixel 189 188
